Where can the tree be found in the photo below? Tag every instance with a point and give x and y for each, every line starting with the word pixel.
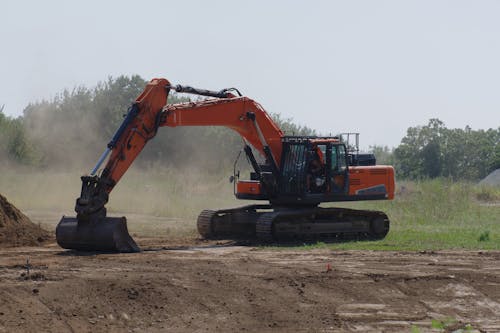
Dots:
pixel 14 143
pixel 433 150
pixel 431 159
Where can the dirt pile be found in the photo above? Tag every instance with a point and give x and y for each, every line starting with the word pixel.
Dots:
pixel 16 229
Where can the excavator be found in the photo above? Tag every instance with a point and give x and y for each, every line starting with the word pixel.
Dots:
pixel 292 175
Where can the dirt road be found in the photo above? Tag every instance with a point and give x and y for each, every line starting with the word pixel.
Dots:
pixel 233 288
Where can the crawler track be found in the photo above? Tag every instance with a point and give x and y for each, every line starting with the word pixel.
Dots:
pixel 266 224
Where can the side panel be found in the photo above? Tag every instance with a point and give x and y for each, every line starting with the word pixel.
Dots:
pixel 250 190
pixel 252 187
pixel 372 180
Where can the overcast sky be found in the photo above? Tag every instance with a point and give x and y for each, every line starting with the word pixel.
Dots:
pixel 377 67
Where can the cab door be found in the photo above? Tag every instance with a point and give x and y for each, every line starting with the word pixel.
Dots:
pixel 338 169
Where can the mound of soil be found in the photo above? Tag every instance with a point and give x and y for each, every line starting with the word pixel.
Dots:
pixel 16 229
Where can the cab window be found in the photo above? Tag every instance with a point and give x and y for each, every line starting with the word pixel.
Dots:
pixel 334 160
pixel 342 162
pixel 339 163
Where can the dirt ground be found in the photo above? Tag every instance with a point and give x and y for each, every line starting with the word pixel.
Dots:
pixel 193 286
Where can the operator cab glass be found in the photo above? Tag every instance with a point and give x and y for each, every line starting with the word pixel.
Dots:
pixel 332 177
pixel 338 173
pixel 316 172
pixel 312 168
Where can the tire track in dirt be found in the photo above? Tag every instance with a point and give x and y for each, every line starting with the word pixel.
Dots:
pixel 236 288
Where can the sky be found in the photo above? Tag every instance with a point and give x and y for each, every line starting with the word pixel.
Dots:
pixel 374 67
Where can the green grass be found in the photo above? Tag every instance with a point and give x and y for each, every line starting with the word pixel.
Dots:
pixel 434 215
pixel 428 215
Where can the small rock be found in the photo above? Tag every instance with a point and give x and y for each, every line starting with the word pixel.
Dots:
pixel 133 294
pixel 125 316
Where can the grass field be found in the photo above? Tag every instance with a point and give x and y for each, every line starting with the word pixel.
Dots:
pixel 436 214
pixel 428 215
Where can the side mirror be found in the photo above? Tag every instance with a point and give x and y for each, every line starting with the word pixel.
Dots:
pixel 236 175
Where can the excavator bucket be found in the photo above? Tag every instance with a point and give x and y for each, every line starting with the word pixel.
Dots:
pixel 106 234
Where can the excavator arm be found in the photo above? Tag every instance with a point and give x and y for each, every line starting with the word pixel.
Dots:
pixel 139 126
pixel 92 229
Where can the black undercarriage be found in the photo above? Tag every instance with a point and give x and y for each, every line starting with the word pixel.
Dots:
pixel 267 224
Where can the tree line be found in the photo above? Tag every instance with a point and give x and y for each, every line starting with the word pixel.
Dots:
pixel 72 129
pixel 433 150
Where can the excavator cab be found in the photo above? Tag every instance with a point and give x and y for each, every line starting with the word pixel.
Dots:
pixel 313 166
pixel 318 169
pixel 312 170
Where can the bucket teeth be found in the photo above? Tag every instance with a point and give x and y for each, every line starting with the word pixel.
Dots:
pixel 105 234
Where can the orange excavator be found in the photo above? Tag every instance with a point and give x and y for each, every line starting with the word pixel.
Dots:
pixel 294 175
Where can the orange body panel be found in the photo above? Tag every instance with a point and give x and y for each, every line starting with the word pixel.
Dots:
pixel 248 187
pixel 372 180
